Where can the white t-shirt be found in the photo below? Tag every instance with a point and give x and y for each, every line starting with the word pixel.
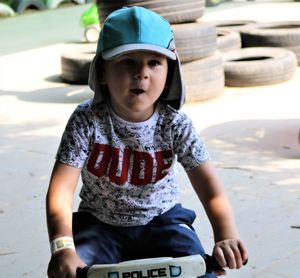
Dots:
pixel 128 171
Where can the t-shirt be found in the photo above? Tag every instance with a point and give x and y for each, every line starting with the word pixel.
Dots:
pixel 128 171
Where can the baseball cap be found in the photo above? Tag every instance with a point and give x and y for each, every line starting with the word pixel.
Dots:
pixel 133 29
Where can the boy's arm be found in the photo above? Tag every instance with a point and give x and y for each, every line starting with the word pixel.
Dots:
pixel 59 207
pixel 59 201
pixel 229 250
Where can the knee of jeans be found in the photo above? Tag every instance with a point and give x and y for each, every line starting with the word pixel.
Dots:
pixel 91 255
pixel 86 254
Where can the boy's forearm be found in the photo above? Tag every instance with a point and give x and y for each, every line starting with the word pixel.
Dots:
pixel 229 250
pixel 215 201
pixel 59 217
pixel 220 214
pixel 59 200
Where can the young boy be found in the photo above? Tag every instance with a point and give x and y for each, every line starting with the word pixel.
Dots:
pixel 124 142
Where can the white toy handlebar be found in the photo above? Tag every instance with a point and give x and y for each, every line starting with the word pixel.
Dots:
pixel 164 267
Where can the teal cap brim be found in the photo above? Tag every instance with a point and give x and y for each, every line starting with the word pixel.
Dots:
pixel 127 48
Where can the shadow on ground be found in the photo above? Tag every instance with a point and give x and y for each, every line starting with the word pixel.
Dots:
pixel 266 138
pixel 61 94
pixel 258 157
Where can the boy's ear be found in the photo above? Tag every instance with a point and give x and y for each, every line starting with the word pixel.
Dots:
pixel 100 71
pixel 170 74
pixel 102 80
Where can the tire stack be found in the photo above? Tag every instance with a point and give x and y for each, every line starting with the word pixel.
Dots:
pixel 228 33
pixel 274 34
pixel 270 51
pixel 76 61
pixel 257 66
pixel 19 6
pixel 228 40
pixel 269 55
pixel 174 11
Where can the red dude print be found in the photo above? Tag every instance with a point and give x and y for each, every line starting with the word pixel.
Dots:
pixel 145 168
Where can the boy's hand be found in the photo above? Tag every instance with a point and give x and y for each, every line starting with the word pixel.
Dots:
pixel 230 253
pixel 64 264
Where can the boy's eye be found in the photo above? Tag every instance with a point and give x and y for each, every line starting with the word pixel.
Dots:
pixel 154 63
pixel 127 62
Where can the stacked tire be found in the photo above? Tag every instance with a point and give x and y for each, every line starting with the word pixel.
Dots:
pixel 202 64
pixel 268 56
pixel 274 34
pixel 174 11
pixel 257 66
pixel 19 6
pixel 76 61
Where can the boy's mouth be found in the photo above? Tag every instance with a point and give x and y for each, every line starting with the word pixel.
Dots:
pixel 137 91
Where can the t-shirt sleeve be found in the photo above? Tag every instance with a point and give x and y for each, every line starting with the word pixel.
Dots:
pixel 75 142
pixel 189 146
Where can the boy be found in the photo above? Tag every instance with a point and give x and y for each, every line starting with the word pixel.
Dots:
pixel 124 143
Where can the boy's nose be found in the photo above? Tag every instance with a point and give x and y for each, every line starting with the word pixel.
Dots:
pixel 140 76
pixel 141 73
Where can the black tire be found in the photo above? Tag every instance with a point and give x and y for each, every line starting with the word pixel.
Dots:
pixel 275 34
pixel 194 40
pixel 204 78
pixel 256 66
pixel 234 25
pixel 20 6
pixel 75 64
pixel 174 11
pixel 228 40
pixel 296 50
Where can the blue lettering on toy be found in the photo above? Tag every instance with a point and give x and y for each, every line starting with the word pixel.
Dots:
pixel 113 275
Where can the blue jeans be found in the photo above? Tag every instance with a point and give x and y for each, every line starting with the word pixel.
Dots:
pixel 168 235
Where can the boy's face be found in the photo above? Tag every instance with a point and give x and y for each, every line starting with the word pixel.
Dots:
pixel 135 82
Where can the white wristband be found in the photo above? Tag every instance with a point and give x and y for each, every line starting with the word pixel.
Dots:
pixel 61 243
